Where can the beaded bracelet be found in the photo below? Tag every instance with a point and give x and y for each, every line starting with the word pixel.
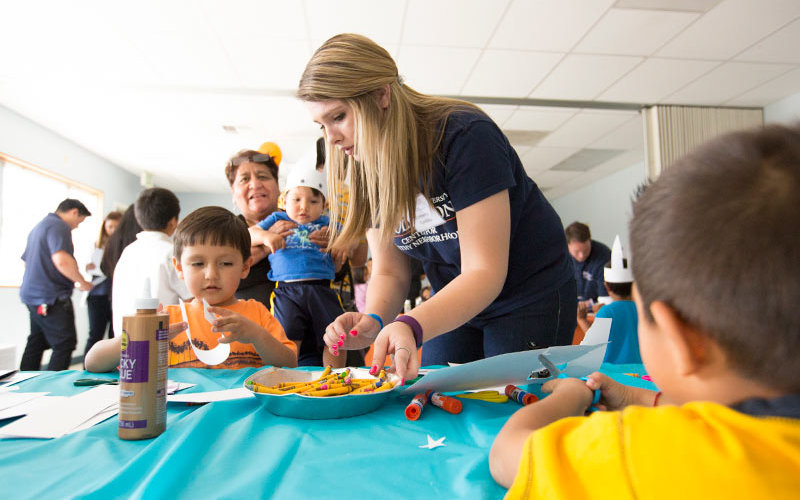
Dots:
pixel 416 328
pixel 376 318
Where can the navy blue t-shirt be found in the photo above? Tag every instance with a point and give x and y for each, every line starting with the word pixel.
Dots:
pixel 589 273
pixel 475 161
pixel 42 283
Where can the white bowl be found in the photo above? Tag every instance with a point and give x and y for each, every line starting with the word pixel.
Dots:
pixel 314 407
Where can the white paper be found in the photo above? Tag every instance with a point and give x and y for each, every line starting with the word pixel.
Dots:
pixel 29 407
pixel 598 332
pixel 211 357
pixel 210 317
pixel 209 397
pixel 10 399
pixel 17 377
pixel 512 368
pixel 173 387
pixel 60 417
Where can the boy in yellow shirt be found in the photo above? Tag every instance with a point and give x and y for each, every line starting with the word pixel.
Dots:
pixel 715 251
pixel 212 254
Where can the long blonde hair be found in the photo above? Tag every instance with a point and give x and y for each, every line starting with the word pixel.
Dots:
pixel 395 146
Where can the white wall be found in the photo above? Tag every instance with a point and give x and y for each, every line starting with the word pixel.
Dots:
pixel 192 201
pixel 28 141
pixel 786 110
pixel 604 205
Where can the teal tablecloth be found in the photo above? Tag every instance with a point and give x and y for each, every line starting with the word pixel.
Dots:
pixel 236 449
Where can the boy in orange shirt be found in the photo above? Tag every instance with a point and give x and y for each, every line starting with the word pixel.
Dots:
pixel 715 251
pixel 212 254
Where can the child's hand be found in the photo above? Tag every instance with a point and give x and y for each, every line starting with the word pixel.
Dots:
pixel 237 327
pixel 615 396
pixel 274 241
pixel 570 387
pixel 174 328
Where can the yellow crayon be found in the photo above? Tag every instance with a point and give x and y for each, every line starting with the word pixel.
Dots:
pixel 255 387
pixel 384 387
pixel 368 388
pixel 331 392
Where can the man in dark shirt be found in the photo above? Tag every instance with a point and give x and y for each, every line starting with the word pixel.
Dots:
pixel 588 257
pixel 51 273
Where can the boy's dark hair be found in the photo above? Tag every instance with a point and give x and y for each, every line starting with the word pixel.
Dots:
pixel 215 226
pixel 248 155
pixel 578 231
pixel 621 289
pixel 155 207
pixel 713 239
pixel 70 203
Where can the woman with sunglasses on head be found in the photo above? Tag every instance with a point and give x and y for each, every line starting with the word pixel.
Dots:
pixel 435 179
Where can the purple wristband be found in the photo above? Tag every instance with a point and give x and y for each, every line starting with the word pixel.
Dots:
pixel 415 327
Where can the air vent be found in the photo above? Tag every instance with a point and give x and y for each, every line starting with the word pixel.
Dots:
pixel 231 129
pixel 525 137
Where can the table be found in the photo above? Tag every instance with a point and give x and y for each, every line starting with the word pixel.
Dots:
pixel 236 449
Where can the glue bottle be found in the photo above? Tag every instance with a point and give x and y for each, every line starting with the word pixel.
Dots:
pixel 143 370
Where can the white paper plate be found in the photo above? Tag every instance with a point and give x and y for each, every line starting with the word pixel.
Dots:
pixel 316 408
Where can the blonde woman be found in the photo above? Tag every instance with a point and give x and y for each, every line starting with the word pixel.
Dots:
pixel 435 179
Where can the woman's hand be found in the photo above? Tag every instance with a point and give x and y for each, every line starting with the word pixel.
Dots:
pixel 284 228
pixel 351 330
pixel 320 237
pixel 396 339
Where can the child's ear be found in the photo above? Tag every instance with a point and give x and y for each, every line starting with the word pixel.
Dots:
pixel 177 264
pixel 246 265
pixel 689 347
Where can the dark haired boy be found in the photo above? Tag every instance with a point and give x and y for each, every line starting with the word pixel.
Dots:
pixel 303 300
pixel 149 258
pixel 716 291
pixel 51 274
pixel 212 255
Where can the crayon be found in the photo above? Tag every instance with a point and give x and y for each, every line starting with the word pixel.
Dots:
pixel 520 396
pixel 446 403
pixel 415 407
pixel 368 388
pixel 256 387
pixel 384 387
pixel 331 392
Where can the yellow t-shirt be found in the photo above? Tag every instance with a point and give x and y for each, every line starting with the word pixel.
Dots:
pixel 699 450
pixel 242 355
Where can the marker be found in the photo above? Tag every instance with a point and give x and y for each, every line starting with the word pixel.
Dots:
pixel 446 403
pixel 415 407
pixel 520 396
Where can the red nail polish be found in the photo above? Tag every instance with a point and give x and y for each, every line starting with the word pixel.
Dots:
pixel 402 382
pixel 353 333
pixel 340 343
pixel 373 370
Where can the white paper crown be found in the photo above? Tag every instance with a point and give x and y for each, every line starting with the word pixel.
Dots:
pixel 618 272
pixel 305 173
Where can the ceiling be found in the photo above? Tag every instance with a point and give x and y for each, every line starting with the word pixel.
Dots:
pixel 175 87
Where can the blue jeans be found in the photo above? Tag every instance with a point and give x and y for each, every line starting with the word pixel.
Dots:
pixel 547 322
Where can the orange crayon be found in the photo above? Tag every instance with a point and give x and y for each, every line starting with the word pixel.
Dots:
pixel 415 407
pixel 446 403
pixel 520 396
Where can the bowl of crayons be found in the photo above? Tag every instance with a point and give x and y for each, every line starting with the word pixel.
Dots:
pixel 316 395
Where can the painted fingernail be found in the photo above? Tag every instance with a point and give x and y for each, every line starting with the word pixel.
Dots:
pixel 341 343
pixel 342 337
pixel 373 370
pixel 402 382
pixel 353 333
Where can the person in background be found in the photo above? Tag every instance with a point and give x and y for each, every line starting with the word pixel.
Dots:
pixel 51 274
pixel 99 300
pixel 435 179
pixel 723 346
pixel 253 178
pixel 124 235
pixel 588 258
pixel 148 260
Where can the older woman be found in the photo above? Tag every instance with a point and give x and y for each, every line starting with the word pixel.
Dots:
pixel 253 177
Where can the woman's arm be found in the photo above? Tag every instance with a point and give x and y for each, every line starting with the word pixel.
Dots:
pixel 484 233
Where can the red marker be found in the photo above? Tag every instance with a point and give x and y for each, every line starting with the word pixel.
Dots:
pixel 520 396
pixel 446 403
pixel 415 407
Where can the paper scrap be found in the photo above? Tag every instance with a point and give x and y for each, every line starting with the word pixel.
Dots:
pixel 210 317
pixel 29 406
pixel 434 443
pixel 11 399
pixel 17 377
pixel 211 396
pixel 598 332
pixel 210 357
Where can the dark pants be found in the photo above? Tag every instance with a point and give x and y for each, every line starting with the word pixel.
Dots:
pixel 55 331
pixel 99 319
pixel 547 322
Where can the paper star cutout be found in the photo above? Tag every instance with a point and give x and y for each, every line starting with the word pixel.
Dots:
pixel 434 443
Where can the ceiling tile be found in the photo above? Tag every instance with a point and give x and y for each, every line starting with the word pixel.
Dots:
pixel 451 23
pixel 264 63
pixel 551 178
pixel 769 92
pixel 725 82
pixel 509 73
pixel 380 20
pixel 542 158
pixel 539 118
pixel 634 31
pixel 586 159
pixel 549 25
pixel 436 70
pixel 629 135
pixel 655 79
pixel 583 77
pixel 257 19
pixel 682 5
pixel 585 128
pixel 731 27
pixel 498 113
pixel 778 47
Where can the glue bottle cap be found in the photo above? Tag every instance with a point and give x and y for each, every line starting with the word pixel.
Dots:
pixel 145 301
